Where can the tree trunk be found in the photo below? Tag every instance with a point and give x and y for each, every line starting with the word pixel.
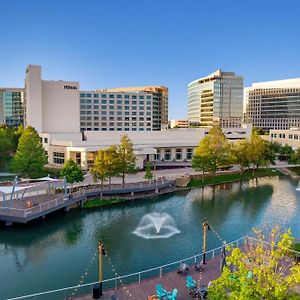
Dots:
pixel 203 175
pixel 109 182
pixel 101 189
pixel 123 180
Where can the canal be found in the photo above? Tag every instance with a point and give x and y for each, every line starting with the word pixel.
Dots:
pixel 58 251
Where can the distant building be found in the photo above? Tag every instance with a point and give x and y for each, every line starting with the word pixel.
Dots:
pixel 11 106
pixel 273 104
pixel 60 106
pixel 167 146
pixel 216 99
pixel 160 100
pixel 178 123
pixel 289 137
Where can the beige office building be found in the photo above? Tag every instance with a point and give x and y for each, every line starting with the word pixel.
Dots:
pixel 216 99
pixel 273 104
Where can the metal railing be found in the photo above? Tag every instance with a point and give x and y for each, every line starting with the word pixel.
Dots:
pixel 138 276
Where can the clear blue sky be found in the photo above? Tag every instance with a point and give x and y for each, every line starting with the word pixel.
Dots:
pixel 115 43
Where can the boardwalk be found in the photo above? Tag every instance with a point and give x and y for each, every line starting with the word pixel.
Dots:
pixel 169 281
pixel 17 210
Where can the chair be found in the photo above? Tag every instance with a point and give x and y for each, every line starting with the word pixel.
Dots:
pixel 184 268
pixel 199 266
pixel 190 283
pixel 160 291
pixel 173 295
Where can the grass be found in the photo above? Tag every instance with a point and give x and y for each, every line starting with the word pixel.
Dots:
pixel 295 170
pixel 97 202
pixel 231 177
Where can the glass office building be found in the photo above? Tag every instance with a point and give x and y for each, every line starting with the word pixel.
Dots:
pixel 216 100
pixel 274 104
pixel 11 106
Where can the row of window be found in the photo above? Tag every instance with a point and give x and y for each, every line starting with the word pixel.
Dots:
pixel 104 101
pixel 112 96
pixel 119 107
pixel 114 129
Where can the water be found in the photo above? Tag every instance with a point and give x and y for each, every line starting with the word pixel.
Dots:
pixel 56 252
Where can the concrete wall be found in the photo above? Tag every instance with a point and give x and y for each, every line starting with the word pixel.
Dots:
pixel 60 106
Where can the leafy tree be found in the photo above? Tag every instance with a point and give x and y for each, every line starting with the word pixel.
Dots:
pixel 285 152
pixel 201 161
pixel 148 172
pixel 126 156
pixel 215 148
pixel 71 171
pixel 112 160
pixel 30 157
pixel 295 157
pixel 6 146
pixel 100 169
pixel 240 152
pixel 257 151
pixel 262 271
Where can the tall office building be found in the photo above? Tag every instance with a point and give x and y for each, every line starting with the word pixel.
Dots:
pixel 273 104
pixel 11 106
pixel 160 98
pixel 216 99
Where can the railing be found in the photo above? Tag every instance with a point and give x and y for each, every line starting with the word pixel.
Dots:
pixel 137 276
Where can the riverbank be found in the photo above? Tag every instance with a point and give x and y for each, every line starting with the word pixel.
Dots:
pixel 232 177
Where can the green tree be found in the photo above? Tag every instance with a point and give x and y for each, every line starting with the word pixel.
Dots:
pixel 6 146
pixel 215 148
pixel 126 163
pixel 30 157
pixel 262 271
pixel 295 157
pixel 257 151
pixel 112 160
pixel 240 154
pixel 148 172
pixel 100 169
pixel 72 172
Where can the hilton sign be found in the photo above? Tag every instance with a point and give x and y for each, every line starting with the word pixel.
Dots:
pixel 70 87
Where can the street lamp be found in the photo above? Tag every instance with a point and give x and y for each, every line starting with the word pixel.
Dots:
pixel 205 228
pixel 97 289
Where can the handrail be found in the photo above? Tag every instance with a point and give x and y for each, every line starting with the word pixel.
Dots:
pixel 125 276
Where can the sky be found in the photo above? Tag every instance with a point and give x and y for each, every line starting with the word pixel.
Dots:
pixel 119 43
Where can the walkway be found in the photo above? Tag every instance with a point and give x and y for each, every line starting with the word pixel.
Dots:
pixel 18 211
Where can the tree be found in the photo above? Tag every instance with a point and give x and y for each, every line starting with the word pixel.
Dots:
pixel 214 148
pixel 5 147
pixel 100 169
pixel 72 172
pixel 112 160
pixel 148 172
pixel 295 157
pixel 240 154
pixel 262 271
pixel 30 157
pixel 126 164
pixel 257 151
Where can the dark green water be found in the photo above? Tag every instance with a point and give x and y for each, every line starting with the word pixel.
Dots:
pixel 55 253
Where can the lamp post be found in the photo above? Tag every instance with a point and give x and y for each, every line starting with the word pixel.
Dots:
pixel 101 252
pixel 205 228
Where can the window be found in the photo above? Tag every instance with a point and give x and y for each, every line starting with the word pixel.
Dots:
pixel 46 140
pixel 111 96
pixel 96 101
pixel 96 96
pixel 82 106
pixel 119 96
pixel 89 101
pixel 103 106
pixel 103 96
pixel 78 158
pixel 133 108
pixel 82 101
pixel 134 102
pixel 88 95
pixel 141 108
pixel 126 96
pixel 126 107
pixel 82 95
pixel 96 106
pixel 58 158
pixel 167 154
pixel 119 107
pixel 111 101
pixel 189 153
pixel 133 97
pixel 103 101
pixel 126 102
pixel 111 113
pixel 119 101
pixel 111 107
pixel 148 97
pixel 141 97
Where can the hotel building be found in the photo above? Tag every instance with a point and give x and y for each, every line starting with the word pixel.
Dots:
pixel 60 106
pixel 273 104
pixel 11 106
pixel 216 99
pixel 178 123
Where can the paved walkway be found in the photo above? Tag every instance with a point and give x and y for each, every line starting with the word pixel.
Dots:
pixel 169 281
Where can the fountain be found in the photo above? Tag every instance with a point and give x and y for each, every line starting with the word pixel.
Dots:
pixel 156 226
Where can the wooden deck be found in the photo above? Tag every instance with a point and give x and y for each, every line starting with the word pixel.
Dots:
pixel 169 281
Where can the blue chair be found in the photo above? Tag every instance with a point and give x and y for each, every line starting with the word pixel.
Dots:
pixel 190 283
pixel 173 295
pixel 160 291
